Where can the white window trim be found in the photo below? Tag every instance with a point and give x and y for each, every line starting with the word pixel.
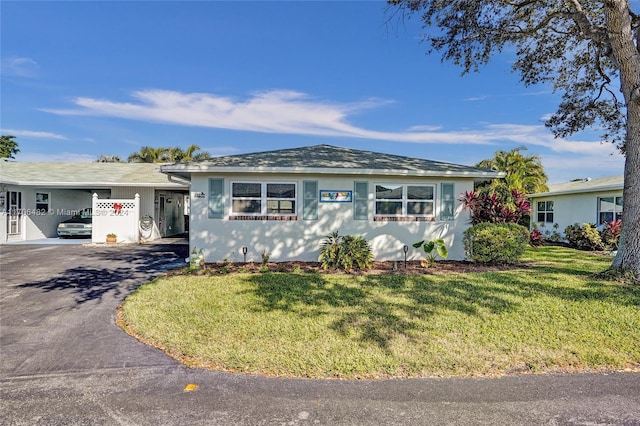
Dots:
pixel 616 209
pixel 263 198
pixel 48 200
pixel 404 200
pixel 545 211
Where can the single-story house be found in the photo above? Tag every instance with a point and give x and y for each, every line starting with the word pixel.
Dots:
pixel 283 203
pixel 581 201
pixel 36 197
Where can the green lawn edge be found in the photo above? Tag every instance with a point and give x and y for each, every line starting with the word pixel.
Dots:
pixel 549 315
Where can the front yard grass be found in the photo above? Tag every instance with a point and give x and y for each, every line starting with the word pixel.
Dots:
pixel 549 315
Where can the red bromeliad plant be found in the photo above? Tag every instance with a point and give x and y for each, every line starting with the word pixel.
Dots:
pixel 611 234
pixel 490 208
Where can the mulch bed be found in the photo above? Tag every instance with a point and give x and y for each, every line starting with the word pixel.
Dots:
pixel 388 268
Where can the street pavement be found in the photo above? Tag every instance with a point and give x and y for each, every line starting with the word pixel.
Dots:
pixel 63 361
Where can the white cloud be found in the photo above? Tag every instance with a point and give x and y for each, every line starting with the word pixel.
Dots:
pixel 538 135
pixel 291 112
pixel 275 111
pixel 19 67
pixel 33 134
pixel 476 98
pixel 424 128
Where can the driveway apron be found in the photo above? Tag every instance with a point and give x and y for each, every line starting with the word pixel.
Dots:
pixel 59 304
pixel 63 361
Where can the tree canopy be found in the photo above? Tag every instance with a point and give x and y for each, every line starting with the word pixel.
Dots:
pixel 8 147
pixel 108 159
pixel 176 154
pixel 587 50
pixel 525 173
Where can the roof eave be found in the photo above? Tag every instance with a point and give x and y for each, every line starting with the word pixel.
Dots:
pixel 181 170
pixel 72 185
pixel 615 187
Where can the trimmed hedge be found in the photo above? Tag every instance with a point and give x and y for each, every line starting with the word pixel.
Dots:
pixel 496 243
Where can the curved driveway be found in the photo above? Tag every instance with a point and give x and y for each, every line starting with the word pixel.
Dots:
pixel 63 361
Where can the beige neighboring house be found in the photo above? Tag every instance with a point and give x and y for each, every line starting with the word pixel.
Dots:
pixel 584 201
pixel 285 202
pixel 36 197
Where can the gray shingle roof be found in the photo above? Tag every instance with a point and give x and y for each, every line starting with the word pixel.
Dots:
pixel 328 159
pixel 94 175
pixel 584 185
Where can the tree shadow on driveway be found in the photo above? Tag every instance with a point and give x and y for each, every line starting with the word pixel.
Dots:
pixel 117 270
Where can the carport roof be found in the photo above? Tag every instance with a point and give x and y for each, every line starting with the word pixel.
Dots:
pixel 93 175
pixel 328 159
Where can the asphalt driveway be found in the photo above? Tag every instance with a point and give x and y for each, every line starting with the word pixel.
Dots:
pixel 63 361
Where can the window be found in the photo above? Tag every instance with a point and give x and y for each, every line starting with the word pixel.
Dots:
pixel 609 209
pixel 361 200
pixel 405 200
pixel 447 203
pixel 281 198
pixel 256 198
pixel 216 198
pixel 545 211
pixel 310 200
pixel 42 202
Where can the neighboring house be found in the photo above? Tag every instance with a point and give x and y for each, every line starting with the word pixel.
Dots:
pixel 35 197
pixel 283 203
pixel 583 201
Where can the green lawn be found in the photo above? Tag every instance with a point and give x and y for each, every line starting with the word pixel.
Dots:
pixel 550 315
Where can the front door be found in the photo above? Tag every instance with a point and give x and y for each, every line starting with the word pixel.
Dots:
pixel 170 214
pixel 14 213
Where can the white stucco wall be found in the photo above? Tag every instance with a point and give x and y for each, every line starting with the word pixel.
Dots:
pixel 300 239
pixel 573 208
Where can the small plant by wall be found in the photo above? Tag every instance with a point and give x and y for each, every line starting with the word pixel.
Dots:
pixel 432 249
pixel 196 260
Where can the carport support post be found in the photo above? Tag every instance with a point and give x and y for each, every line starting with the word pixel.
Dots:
pixel 136 210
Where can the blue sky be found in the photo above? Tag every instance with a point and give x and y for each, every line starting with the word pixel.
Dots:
pixel 80 79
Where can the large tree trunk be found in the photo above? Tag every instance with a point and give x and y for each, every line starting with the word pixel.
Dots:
pixel 628 57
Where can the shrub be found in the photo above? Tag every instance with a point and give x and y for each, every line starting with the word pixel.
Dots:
pixel 536 239
pixel 583 237
pixel 492 209
pixel 553 236
pixel 610 234
pixel 496 243
pixel 345 252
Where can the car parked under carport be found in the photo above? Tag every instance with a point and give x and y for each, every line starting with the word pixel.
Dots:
pixel 80 225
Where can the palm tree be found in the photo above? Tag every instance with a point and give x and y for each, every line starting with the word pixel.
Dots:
pixel 176 154
pixel 525 173
pixel 148 154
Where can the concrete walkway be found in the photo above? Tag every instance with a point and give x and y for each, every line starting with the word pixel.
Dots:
pixel 64 362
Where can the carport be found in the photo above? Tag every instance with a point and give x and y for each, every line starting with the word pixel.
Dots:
pixel 35 197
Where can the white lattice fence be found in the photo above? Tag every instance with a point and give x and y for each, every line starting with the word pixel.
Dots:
pixel 118 217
